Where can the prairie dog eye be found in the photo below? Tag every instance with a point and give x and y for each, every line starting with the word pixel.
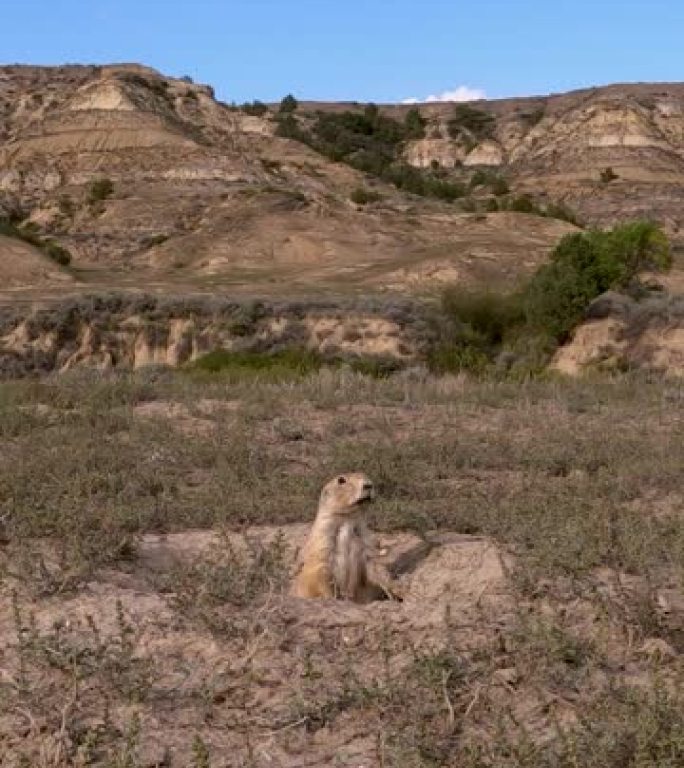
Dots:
pixel 341 480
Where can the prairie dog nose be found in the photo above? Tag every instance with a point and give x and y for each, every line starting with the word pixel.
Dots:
pixel 368 486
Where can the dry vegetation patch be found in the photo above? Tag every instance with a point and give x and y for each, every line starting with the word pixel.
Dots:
pixel 151 523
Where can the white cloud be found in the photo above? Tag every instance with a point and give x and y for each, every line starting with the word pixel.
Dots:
pixel 461 93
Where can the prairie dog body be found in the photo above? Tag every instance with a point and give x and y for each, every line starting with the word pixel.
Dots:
pixel 333 562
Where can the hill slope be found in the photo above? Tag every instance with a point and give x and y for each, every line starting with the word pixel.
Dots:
pixel 205 195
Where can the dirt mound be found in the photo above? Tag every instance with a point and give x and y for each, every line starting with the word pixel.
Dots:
pixel 258 666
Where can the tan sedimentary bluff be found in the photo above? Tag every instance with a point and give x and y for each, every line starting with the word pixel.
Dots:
pixel 135 332
pixel 622 334
pixel 560 145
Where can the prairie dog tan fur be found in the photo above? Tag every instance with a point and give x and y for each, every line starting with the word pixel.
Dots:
pixel 333 562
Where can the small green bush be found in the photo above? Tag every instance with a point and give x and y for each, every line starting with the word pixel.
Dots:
pixel 57 253
pixel 524 204
pixel 363 196
pixel 486 313
pixel 473 327
pixel 288 128
pixel 499 186
pixel 255 108
pixel 376 368
pixel 277 364
pixel 608 175
pixel 288 105
pixel 562 212
pixel 477 122
pixel 66 205
pixel 50 248
pixel 414 123
pixel 99 189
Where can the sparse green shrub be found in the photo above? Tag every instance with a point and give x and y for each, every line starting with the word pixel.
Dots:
pixel 608 175
pixel 57 253
pixel 476 122
pixel 99 190
pixel 27 233
pixel 288 105
pixel 363 196
pixel 200 753
pixel 255 108
pixel 377 368
pixel 289 128
pixel 561 212
pixel 66 205
pixel 414 123
pixel 370 142
pixel 499 186
pixel 524 204
pixel 298 362
pixel 487 314
pixel 479 179
pixel 496 183
pixel 473 327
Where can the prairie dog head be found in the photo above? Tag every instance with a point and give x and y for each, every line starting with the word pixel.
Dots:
pixel 345 494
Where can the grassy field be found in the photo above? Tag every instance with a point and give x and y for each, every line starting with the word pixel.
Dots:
pixel 113 660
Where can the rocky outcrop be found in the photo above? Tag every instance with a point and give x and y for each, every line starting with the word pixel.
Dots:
pixel 559 145
pixel 487 153
pixel 621 334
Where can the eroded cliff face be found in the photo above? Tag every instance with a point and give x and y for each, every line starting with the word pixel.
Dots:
pixel 622 334
pixel 559 145
pixel 133 333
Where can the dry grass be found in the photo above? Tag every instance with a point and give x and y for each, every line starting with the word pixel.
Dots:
pixel 579 482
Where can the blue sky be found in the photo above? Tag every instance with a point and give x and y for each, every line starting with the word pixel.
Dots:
pixel 372 50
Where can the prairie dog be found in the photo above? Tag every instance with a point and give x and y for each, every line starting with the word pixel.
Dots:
pixel 333 562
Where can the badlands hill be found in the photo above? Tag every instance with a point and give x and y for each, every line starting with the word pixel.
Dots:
pixel 153 184
pixel 204 192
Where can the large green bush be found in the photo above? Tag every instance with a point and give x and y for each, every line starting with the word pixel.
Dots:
pixel 583 266
pixel 100 189
pixel 474 328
